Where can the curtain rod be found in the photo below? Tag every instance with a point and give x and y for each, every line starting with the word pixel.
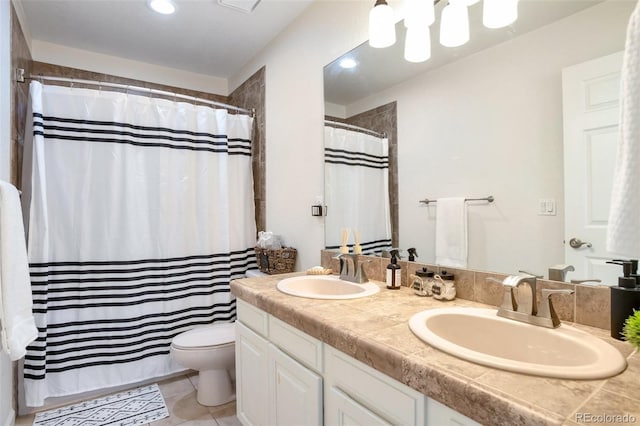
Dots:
pixel 251 112
pixel 351 126
pixel 490 199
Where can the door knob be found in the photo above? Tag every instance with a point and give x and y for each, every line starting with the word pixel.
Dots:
pixel 577 243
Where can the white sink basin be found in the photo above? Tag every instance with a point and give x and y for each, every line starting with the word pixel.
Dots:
pixel 325 287
pixel 480 336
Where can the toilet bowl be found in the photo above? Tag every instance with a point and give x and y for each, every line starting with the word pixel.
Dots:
pixel 211 351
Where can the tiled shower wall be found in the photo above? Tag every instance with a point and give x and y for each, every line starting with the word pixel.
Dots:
pixel 383 119
pixel 20 58
pixel 251 95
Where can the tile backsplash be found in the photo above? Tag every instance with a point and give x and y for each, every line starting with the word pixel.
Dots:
pixel 588 305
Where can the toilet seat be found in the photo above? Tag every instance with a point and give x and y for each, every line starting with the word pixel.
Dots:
pixel 209 336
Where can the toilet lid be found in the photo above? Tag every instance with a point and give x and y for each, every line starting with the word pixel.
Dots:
pixel 208 335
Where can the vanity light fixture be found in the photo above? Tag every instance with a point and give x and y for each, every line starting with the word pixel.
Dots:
pixel 382 26
pixel 164 7
pixel 420 15
pixel 454 24
pixel 499 13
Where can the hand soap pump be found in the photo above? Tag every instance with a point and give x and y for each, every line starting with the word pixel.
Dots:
pixel 412 254
pixel 394 277
pixel 624 298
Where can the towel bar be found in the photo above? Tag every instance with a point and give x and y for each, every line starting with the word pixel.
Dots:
pixel 489 199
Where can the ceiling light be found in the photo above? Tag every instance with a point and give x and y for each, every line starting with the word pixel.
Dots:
pixel 348 63
pixel 417 46
pixel 382 28
pixel 165 7
pixel 420 12
pixel 499 13
pixel 454 24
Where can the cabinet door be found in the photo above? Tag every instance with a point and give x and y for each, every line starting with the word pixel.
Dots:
pixel 344 411
pixel 440 414
pixel 295 396
pixel 251 377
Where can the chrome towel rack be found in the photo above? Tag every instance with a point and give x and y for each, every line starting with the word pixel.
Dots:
pixel 489 199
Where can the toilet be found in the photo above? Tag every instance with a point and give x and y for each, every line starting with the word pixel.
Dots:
pixel 210 350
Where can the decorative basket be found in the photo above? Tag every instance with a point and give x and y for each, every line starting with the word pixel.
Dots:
pixel 276 261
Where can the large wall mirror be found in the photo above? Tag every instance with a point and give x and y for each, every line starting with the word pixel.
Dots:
pixel 486 119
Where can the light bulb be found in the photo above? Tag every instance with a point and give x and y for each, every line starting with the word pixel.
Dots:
pixel 417 47
pixel 382 28
pixel 499 13
pixel 420 13
pixel 454 25
pixel 165 7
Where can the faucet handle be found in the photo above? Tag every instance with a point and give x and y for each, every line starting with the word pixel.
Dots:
pixel 546 306
pixel 590 280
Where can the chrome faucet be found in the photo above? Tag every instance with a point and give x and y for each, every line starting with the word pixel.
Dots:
pixel 524 307
pixel 352 268
pixel 559 272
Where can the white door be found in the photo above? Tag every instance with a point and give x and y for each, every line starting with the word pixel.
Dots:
pixel 295 396
pixel 590 95
pixel 252 353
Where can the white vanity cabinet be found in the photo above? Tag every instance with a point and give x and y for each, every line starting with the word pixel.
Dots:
pixel 288 378
pixel 272 388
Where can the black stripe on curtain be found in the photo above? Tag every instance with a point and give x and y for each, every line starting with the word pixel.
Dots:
pixel 121 338
pixel 354 158
pixel 143 136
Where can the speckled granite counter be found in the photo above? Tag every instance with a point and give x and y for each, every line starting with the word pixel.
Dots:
pixel 375 331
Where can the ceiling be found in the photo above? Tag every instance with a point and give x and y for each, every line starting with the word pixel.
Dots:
pixel 201 37
pixel 379 69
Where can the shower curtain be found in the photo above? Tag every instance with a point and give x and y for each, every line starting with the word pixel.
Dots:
pixel 357 189
pixel 141 211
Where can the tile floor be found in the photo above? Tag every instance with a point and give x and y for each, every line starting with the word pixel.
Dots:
pixel 180 396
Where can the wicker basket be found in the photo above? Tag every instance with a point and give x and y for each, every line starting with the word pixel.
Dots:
pixel 276 261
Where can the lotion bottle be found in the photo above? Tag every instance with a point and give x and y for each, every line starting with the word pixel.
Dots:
pixel 394 277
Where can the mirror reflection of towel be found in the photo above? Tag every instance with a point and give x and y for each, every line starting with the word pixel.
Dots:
pixel 623 228
pixel 451 232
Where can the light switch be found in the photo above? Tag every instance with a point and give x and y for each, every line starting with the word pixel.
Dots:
pixel 546 207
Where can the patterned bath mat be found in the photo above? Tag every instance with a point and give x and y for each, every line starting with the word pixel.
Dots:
pixel 134 407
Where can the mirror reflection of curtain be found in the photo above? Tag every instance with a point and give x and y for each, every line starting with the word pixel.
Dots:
pixel 357 189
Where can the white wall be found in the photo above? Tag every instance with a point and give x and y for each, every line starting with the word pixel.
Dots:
pixel 76 58
pixel 294 111
pixel 6 373
pixel 491 123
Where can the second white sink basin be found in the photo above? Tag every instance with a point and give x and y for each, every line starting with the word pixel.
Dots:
pixel 480 336
pixel 325 287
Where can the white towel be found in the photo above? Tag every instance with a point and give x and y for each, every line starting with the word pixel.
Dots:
pixel 451 232
pixel 623 231
pixel 17 327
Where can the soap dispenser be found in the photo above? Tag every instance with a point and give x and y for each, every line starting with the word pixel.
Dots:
pixel 394 277
pixel 412 254
pixel 625 297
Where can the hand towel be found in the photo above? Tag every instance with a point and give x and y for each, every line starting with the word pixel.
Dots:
pixel 451 232
pixel 17 324
pixel 623 230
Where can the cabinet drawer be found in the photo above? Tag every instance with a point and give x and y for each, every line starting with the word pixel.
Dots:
pixel 304 348
pixel 252 317
pixel 391 400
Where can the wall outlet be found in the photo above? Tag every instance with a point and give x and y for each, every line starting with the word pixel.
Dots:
pixel 546 207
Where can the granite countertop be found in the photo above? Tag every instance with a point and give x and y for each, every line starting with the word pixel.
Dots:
pixel 375 331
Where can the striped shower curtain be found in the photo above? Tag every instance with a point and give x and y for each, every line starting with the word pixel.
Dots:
pixel 357 189
pixel 140 212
